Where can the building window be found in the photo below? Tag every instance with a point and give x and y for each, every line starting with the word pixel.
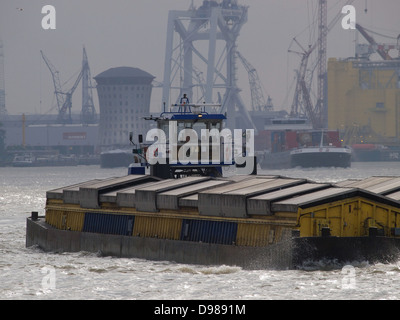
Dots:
pixel 380 105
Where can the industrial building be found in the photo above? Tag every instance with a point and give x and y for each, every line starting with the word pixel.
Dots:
pixel 364 93
pixel 364 100
pixel 42 132
pixel 124 100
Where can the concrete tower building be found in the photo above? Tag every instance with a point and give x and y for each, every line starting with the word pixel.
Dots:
pixel 124 99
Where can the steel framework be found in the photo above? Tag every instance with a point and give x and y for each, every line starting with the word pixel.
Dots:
pixel 64 99
pixel 258 101
pixel 321 108
pixel 88 110
pixel 218 24
pixel 302 103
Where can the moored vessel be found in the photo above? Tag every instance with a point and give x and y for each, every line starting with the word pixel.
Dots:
pixel 303 148
pixel 31 160
pixel 323 156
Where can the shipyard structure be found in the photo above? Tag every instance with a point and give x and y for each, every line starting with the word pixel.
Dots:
pixel 43 139
pixel 364 99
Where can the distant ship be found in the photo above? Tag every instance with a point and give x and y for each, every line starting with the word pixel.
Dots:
pixel 116 158
pixel 367 152
pixel 291 146
pixel 30 160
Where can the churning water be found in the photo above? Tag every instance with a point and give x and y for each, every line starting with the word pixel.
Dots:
pixel 29 273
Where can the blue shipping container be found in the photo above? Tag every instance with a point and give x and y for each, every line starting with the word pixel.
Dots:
pixel 108 223
pixel 219 232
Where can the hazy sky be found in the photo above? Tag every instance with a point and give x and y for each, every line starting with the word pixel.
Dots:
pixel 133 32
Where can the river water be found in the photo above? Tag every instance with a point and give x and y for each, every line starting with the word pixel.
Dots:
pixel 30 274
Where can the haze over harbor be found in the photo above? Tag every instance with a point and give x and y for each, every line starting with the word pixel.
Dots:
pixel 132 33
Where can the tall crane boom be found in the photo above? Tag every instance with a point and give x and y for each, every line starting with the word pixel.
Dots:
pixel 258 101
pixel 88 110
pixel 380 50
pixel 320 108
pixel 64 99
pixel 318 113
pixel 68 101
pixel 56 81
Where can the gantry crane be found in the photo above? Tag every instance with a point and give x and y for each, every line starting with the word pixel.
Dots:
pixel 195 31
pixel 258 101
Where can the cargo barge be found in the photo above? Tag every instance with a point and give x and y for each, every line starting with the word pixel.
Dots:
pixel 247 221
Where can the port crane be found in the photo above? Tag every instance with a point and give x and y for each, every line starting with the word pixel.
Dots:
pixel 381 49
pixel 88 110
pixel 302 96
pixel 64 99
pixel 258 101
pixel 56 81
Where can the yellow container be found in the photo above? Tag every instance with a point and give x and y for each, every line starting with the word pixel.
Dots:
pixel 56 218
pixel 257 235
pixel 157 227
pixel 65 220
pixel 349 218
